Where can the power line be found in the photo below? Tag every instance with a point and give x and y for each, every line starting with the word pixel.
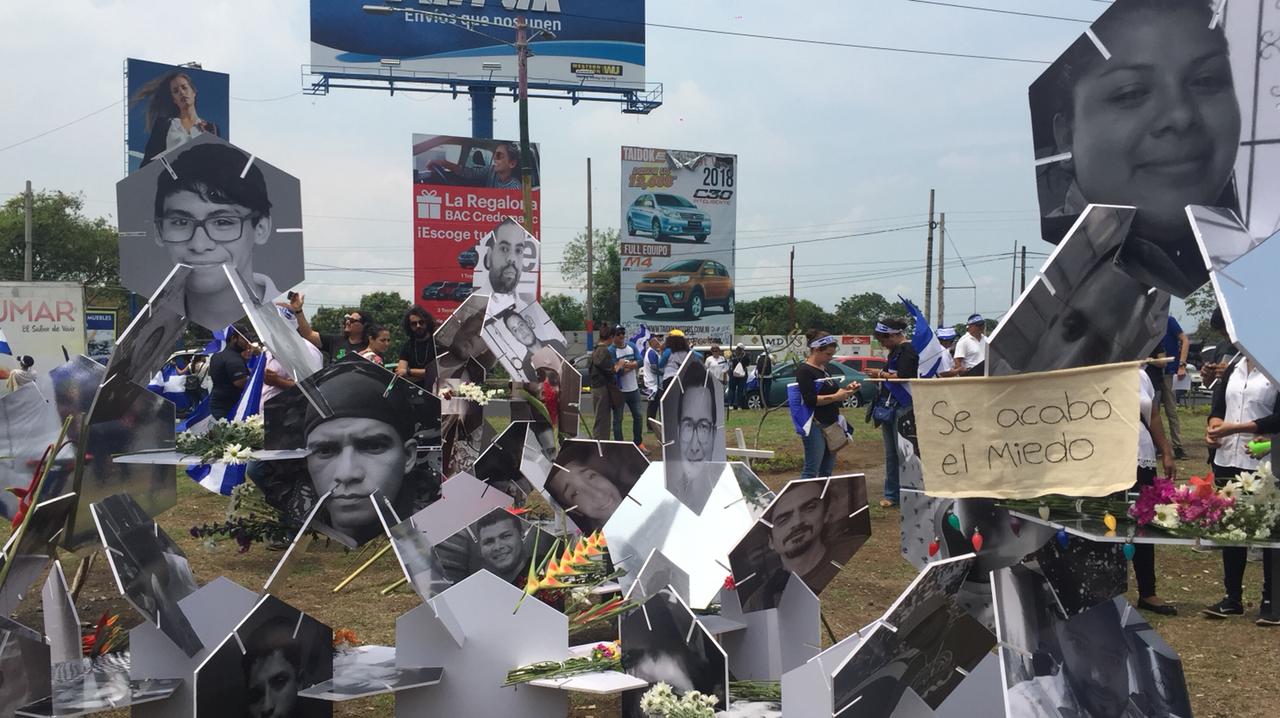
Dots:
pixel 61 127
pixel 999 11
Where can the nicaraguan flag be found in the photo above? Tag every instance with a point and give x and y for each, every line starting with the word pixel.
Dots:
pixel 933 358
pixel 219 340
pixel 640 339
pixel 222 478
pixel 801 414
pixel 4 344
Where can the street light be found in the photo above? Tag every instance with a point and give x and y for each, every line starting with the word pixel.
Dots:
pixel 521 46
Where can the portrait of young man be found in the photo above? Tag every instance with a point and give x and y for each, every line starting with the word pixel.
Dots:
pixel 693 435
pixel 498 542
pixel 215 208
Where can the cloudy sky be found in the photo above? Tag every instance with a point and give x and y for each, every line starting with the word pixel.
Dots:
pixel 832 140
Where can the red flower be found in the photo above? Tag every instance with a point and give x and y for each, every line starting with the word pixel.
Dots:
pixel 729 584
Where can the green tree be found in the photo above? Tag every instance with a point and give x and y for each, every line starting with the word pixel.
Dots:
pixel 769 315
pixel 67 246
pixel 1200 305
pixel 859 313
pixel 607 272
pixel 565 311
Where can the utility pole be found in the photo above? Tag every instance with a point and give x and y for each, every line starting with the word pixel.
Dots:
pixel 1023 287
pixel 26 263
pixel 791 292
pixel 526 154
pixel 1013 271
pixel 590 241
pixel 928 262
pixel 942 281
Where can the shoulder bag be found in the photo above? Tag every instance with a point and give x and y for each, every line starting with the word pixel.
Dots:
pixel 835 436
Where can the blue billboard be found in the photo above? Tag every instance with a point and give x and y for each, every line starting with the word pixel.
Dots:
pixel 591 42
pixel 170 104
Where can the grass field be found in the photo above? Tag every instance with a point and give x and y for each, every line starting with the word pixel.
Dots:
pixel 1230 665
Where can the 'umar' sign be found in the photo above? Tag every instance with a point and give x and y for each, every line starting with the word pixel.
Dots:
pixel 1023 436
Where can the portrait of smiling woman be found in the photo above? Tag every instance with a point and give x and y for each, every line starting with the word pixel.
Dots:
pixel 1143 112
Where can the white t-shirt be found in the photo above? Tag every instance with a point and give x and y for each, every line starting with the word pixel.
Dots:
pixel 627 380
pixel 652 377
pixel 1250 396
pixel 717 366
pixel 1146 445
pixel 971 351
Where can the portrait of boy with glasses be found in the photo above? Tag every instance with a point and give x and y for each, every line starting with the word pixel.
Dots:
pixel 693 444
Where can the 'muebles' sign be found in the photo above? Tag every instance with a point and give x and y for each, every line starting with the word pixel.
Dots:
pixel 1067 432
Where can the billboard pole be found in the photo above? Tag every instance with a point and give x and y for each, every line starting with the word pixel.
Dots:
pixel 928 263
pixel 590 301
pixel 526 156
pixel 942 278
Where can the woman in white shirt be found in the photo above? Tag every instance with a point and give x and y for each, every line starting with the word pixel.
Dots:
pixel 1245 403
pixel 1154 452
pixel 171 113
pixel 717 365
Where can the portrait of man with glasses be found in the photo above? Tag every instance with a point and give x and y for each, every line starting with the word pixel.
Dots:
pixel 693 445
pixel 213 210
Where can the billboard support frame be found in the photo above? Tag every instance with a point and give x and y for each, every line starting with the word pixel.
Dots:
pixel 636 99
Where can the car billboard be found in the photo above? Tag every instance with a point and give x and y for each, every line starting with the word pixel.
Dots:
pixel 679 219
pixel 464 191
pixel 170 104
pixel 590 41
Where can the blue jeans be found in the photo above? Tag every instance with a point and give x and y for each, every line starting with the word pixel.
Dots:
pixel 889 430
pixel 818 461
pixel 631 399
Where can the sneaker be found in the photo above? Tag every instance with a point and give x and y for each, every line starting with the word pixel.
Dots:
pixel 1226 608
pixel 1267 617
pixel 887 504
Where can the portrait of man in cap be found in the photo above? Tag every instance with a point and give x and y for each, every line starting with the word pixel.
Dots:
pixel 365 430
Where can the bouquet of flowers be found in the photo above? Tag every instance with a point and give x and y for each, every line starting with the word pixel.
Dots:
pixel 231 442
pixel 249 519
pixel 604 657
pixel 476 393
pixel 661 700
pixel 1245 508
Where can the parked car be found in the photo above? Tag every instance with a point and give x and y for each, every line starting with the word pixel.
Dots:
pixel 863 363
pixel 784 374
pixel 468 258
pixel 689 284
pixel 449 292
pixel 667 215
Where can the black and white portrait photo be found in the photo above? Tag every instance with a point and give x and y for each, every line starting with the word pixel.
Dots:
pixel 693 446
pixel 210 205
pixel 1084 308
pixel 461 351
pixel 662 641
pixel 1103 662
pixel 258 671
pixel 508 269
pixel 1142 111
pixel 498 542
pixel 365 436
pixel 516 335
pixel 150 569
pixel 811 529
pixel 589 479
pixel 500 464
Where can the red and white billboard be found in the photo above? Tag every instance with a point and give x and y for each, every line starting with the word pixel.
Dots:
pixel 462 189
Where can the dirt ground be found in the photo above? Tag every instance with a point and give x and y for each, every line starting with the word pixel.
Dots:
pixel 1230 665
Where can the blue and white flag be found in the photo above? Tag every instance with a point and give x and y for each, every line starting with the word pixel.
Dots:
pixel 801 414
pixel 4 344
pixel 222 478
pixel 219 340
pixel 933 358
pixel 640 339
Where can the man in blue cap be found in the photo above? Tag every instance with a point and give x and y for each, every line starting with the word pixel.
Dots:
pixel 971 350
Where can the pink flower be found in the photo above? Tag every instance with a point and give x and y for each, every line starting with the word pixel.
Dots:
pixel 1161 491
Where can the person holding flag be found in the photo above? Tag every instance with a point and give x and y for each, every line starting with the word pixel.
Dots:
pixel 894 400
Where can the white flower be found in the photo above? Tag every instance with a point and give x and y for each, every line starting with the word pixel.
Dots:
pixel 1232 535
pixel 1262 534
pixel 1248 481
pixel 236 454
pixel 1230 490
pixel 1167 516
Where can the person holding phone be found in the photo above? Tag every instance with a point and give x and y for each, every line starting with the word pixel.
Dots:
pixel 822 394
